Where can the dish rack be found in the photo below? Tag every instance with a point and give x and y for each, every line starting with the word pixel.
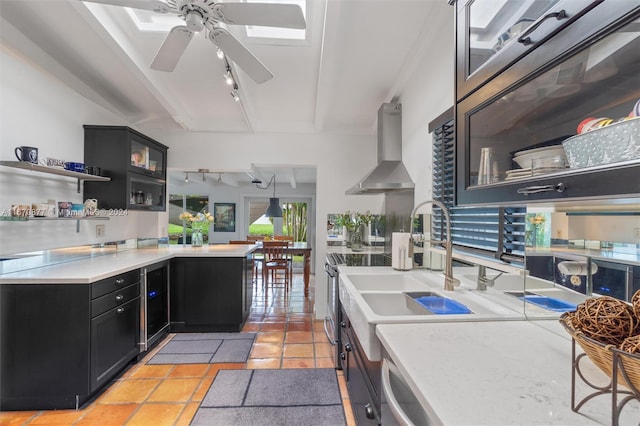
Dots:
pixel 622 368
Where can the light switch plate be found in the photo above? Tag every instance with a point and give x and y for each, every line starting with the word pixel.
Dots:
pixel 99 230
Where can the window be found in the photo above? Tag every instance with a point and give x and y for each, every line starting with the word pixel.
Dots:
pixel 178 230
pixel 484 231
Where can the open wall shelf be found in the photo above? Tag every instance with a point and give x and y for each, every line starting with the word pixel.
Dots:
pixel 25 165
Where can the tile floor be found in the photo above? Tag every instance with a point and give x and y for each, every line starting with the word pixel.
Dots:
pixel 155 395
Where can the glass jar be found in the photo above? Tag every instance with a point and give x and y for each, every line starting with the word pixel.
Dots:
pixel 196 238
pixel 356 240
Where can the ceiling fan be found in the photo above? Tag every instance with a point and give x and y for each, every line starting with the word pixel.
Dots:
pixel 207 15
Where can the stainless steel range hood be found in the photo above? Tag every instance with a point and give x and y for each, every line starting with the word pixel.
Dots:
pixel 390 174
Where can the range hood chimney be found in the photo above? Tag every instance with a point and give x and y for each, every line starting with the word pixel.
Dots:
pixel 390 174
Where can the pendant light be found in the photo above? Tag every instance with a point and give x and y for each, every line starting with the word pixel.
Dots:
pixel 274 209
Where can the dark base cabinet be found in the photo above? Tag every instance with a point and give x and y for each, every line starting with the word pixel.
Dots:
pixel 363 377
pixel 61 343
pixel 210 294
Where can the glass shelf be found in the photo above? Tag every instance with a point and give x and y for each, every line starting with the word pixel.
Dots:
pixel 25 165
pixel 77 219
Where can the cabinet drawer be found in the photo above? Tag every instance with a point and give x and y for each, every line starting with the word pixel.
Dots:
pixel 103 303
pixel 116 282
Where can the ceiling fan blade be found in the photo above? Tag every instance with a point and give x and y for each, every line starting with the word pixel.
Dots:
pixel 261 14
pixel 172 49
pixel 239 54
pixel 152 5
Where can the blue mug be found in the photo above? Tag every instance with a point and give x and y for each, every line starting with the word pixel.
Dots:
pixel 74 167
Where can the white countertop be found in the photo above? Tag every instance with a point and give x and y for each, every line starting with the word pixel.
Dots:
pixel 495 373
pixel 92 269
pixel 607 255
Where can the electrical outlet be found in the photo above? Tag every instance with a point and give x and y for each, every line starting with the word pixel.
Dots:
pixel 99 230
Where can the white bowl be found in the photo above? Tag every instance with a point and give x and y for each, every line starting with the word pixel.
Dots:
pixel 523 158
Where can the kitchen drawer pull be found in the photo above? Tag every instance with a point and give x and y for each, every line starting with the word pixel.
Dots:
pixel 347 347
pixel 526 40
pixel 119 297
pixel 368 411
pixel 542 188
pixel 120 281
pixel 120 310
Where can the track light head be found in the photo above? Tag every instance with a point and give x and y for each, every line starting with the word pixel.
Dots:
pixel 228 77
pixel 220 54
pixel 186 177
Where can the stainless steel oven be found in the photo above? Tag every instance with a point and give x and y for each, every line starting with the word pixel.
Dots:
pixel 332 319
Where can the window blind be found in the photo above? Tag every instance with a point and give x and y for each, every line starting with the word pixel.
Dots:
pixel 483 231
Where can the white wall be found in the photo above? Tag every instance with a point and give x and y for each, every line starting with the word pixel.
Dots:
pixel 38 110
pixel 429 92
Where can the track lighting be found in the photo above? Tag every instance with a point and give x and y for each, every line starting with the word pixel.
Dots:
pixel 228 77
pixel 234 93
pixel 220 54
pixel 186 177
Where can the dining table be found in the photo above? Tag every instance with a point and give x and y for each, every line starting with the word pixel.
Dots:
pixel 298 248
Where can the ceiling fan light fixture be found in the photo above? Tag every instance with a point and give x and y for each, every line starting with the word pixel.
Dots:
pixel 193 20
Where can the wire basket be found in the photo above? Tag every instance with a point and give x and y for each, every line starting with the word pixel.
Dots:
pixel 602 355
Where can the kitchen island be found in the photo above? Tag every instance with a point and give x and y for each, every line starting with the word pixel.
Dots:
pixel 491 373
pixel 68 329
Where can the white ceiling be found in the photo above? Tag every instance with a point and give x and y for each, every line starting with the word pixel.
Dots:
pixel 357 55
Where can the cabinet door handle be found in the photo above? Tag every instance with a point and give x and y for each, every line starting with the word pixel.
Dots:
pixel 119 297
pixel 343 356
pixel 542 188
pixel 368 411
pixel 526 40
pixel 120 281
pixel 120 310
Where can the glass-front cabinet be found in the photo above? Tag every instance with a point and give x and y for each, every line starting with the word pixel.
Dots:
pixel 555 126
pixel 146 157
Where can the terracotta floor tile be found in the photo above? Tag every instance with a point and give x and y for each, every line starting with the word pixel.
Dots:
pixel 187 414
pixel 270 337
pixel 15 417
pixel 257 363
pixel 348 413
pixel 298 337
pixel 298 363
pixel 251 326
pixel 323 350
pixel 225 366
pixel 202 389
pixel 299 326
pixel 151 372
pixel 266 350
pixel 298 350
pixel 318 326
pixel 156 415
pixel 325 363
pixel 132 390
pixel 189 370
pixel 174 390
pixel 111 415
pixel 273 326
pixel 342 384
pixel 55 417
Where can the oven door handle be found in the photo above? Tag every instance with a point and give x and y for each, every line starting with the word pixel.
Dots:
pixel 330 338
pixel 329 270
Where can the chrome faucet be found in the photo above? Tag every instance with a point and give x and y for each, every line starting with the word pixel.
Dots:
pixel 449 281
pixel 483 280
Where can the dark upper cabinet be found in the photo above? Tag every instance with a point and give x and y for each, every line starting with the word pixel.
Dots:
pixel 492 35
pixel 590 69
pixel 135 163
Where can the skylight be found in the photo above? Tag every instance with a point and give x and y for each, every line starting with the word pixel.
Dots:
pixel 280 33
pixel 146 20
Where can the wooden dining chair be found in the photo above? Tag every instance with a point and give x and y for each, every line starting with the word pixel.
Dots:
pixel 289 239
pixel 276 258
pixel 255 237
pixel 257 261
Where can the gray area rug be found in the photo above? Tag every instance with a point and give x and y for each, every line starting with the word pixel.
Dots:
pixel 272 397
pixel 205 348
